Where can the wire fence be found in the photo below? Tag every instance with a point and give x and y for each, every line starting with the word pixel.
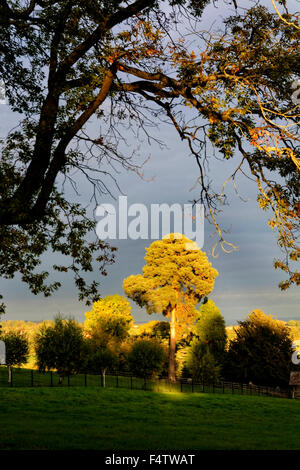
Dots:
pixel 34 378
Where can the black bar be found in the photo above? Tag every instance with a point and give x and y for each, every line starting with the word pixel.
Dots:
pixel 85 380
pixel 51 378
pixel 31 373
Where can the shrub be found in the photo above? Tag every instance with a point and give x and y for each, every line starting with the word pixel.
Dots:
pixel 146 358
pixel 201 363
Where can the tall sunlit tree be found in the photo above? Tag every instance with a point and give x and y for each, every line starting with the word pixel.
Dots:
pixel 173 282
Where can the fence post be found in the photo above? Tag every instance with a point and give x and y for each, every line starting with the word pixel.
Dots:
pixel 11 377
pixel 31 377
pixel 51 378
pixel 213 387
pixel 181 385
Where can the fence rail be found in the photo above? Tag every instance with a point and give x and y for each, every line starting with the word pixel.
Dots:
pixel 33 378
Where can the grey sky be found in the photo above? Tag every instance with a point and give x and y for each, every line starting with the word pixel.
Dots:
pixel 246 279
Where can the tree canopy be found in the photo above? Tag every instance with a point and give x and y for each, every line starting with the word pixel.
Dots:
pixel 110 316
pixel 261 352
pixel 201 363
pixel 131 64
pixel 210 329
pixel 173 282
pixel 17 348
pixel 60 346
pixel 146 358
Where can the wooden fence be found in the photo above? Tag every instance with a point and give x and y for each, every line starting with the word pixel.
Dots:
pixel 33 378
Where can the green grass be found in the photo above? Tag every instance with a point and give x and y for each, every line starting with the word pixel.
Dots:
pixel 119 419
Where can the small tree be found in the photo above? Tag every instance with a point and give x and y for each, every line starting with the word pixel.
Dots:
pixel 175 278
pixel 201 363
pixel 261 352
pixel 60 347
pixel 101 359
pixel 146 358
pixel 210 329
pixel 110 316
pixel 17 349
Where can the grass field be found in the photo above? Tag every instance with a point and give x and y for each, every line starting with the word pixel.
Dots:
pixel 111 419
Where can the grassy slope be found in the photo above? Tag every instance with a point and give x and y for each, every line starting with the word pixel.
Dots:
pixel 110 419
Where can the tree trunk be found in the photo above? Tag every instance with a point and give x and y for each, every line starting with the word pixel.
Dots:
pixel 171 374
pixel 9 374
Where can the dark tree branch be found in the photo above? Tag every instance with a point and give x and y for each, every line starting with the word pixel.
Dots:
pixel 59 160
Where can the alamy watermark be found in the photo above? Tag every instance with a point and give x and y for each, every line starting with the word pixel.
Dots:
pixel 2 92
pixel 296 95
pixel 137 222
pixel 296 353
